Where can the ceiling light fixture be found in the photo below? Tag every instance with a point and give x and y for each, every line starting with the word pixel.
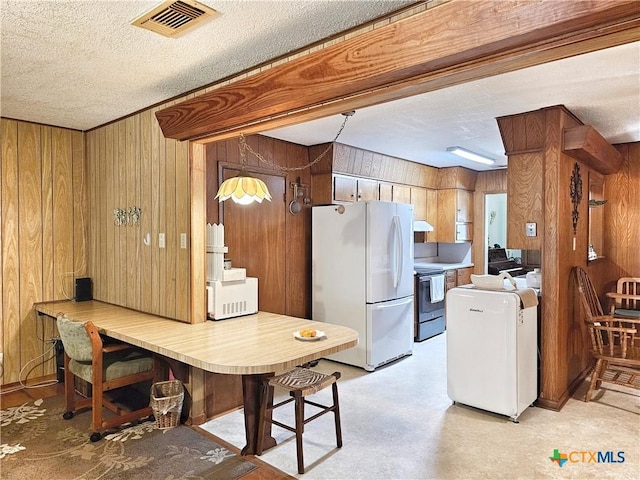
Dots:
pixel 244 189
pixel 469 155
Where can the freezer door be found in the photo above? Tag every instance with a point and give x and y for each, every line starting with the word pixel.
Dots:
pixel 389 331
pixel 481 349
pixel 389 252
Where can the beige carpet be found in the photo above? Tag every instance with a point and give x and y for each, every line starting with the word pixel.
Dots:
pixel 36 443
pixel 399 423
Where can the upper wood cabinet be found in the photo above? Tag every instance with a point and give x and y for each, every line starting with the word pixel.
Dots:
pixel 401 193
pixel 352 189
pixel 432 215
pixel 464 211
pixel 455 215
pixel 419 202
pixel 385 192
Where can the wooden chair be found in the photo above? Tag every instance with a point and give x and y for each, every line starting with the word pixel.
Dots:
pixel 626 299
pixel 105 367
pixel 300 383
pixel 613 341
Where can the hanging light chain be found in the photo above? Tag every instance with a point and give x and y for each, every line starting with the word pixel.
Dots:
pixel 245 146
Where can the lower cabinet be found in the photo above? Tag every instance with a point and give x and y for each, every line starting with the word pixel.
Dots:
pixel 450 279
pixel 463 276
pixel 456 277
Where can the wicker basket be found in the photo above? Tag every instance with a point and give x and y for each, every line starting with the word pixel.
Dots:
pixel 166 402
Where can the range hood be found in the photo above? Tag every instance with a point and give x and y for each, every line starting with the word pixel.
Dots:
pixel 422 226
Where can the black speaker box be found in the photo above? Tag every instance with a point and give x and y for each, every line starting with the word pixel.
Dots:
pixel 84 289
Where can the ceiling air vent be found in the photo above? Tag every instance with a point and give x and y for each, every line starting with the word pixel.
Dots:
pixel 172 18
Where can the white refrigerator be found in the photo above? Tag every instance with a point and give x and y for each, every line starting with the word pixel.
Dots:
pixel 491 350
pixel 362 277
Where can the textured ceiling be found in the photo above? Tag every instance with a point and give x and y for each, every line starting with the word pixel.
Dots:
pixel 80 64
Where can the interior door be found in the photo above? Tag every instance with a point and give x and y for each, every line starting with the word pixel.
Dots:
pixel 255 235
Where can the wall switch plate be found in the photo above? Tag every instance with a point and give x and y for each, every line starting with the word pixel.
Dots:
pixel 531 230
pixel 161 240
pixel 183 240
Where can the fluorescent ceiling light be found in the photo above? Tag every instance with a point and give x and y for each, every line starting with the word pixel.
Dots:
pixel 475 157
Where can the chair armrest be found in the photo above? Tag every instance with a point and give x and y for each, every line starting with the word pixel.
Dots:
pixel 622 296
pixel 631 321
pixel 630 331
pixel 116 347
pixel 601 318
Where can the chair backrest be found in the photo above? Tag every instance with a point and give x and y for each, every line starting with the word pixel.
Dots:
pixel 628 286
pixel 75 339
pixel 588 295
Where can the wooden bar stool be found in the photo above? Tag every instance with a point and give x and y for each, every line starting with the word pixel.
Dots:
pixel 300 382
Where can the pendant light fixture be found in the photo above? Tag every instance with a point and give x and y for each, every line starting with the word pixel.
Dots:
pixel 244 189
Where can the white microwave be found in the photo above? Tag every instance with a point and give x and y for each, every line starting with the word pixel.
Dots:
pixel 232 299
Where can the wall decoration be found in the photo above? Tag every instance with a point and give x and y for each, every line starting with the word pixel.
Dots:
pixel 575 190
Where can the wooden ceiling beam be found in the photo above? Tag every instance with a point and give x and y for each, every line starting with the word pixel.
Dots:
pixel 451 43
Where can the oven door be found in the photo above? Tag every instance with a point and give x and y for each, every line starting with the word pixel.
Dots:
pixel 426 309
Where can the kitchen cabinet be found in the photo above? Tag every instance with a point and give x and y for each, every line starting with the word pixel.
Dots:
pixel 432 215
pixel 457 276
pixel 401 193
pixel 385 192
pixel 455 215
pixel 419 202
pixel 353 189
pixel 450 279
pixel 416 196
pixel 463 275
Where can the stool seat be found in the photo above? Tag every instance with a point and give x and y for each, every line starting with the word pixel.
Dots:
pixel 306 381
pixel 299 382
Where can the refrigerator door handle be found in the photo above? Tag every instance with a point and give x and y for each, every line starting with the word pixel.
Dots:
pixel 394 253
pixel 397 250
pixel 395 304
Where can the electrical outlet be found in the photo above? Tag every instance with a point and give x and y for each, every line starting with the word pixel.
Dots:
pixel 183 240
pixel 531 230
pixel 2 359
pixel 161 240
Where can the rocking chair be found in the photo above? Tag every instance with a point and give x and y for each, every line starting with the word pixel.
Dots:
pixel 613 341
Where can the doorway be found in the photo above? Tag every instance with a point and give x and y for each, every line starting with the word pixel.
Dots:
pixel 495 209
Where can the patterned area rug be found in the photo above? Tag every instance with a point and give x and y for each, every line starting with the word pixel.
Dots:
pixel 37 443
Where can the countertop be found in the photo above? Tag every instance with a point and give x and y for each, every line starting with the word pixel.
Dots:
pixel 444 266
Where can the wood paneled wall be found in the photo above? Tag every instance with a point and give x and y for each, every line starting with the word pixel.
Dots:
pixel 363 163
pixel 131 164
pixel 296 248
pixel 43 232
pixel 621 223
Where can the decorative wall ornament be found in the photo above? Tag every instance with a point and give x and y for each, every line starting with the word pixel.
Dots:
pixel 575 190
pixel 119 217
pixel 126 216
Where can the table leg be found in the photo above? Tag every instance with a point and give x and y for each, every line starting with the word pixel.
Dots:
pixel 251 397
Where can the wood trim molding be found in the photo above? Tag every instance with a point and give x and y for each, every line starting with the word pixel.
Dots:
pixel 451 43
pixel 584 143
pixel 198 277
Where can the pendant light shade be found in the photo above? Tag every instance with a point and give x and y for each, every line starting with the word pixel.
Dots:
pixel 243 190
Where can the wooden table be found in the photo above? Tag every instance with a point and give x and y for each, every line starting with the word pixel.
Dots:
pixel 253 346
